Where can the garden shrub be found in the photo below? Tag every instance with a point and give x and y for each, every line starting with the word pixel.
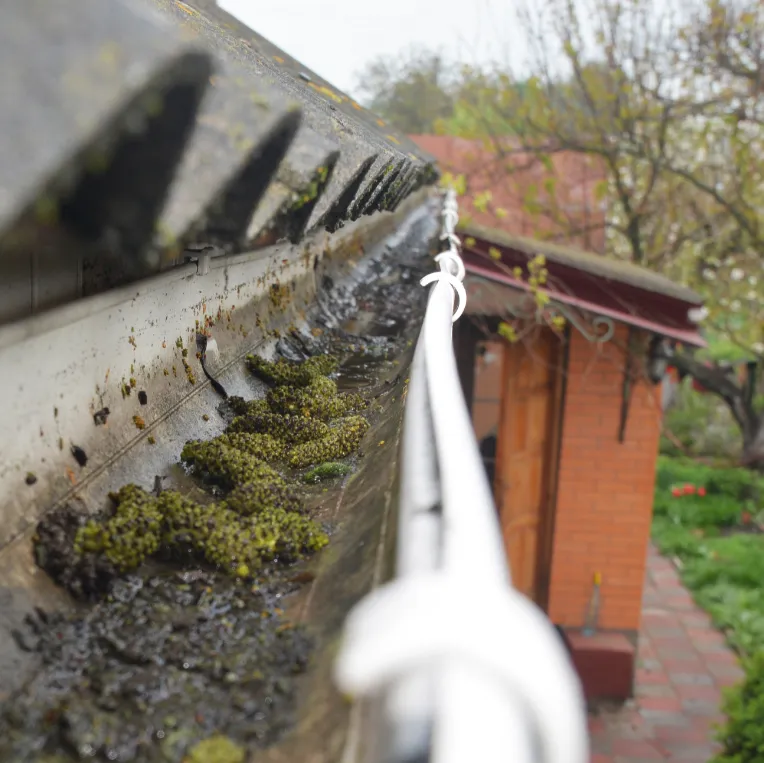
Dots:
pixel 737 560
pixel 742 737
pixel 677 471
pixel 739 612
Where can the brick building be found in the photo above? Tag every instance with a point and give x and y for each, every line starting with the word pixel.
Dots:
pixel 515 179
pixel 568 420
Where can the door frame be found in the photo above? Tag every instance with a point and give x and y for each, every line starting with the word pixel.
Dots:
pixel 545 552
pixel 551 459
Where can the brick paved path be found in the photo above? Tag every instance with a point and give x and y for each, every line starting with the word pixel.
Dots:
pixel 683 664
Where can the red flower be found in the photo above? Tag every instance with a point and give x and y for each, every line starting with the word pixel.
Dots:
pixel 689 489
pixel 698 387
pixel 701 491
pixel 676 492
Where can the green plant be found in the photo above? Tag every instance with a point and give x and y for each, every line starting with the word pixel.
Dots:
pixel 736 560
pixel 742 737
pixel 741 484
pixel 695 511
pixel 671 471
pixel 723 568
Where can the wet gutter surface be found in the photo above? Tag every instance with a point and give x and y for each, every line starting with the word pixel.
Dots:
pixel 182 654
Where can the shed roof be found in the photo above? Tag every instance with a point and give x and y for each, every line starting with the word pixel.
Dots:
pixel 614 289
pixel 604 267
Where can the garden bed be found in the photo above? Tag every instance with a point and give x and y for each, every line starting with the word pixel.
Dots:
pixel 709 521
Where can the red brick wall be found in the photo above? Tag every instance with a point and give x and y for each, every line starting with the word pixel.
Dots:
pixel 510 178
pixel 605 488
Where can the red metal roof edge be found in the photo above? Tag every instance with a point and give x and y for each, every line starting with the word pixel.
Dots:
pixel 691 337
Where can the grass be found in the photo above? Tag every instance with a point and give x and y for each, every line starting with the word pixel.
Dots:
pixel 710 520
pixel 714 536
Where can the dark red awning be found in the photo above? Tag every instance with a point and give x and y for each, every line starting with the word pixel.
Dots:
pixel 634 310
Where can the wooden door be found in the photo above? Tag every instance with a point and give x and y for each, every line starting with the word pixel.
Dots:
pixel 526 459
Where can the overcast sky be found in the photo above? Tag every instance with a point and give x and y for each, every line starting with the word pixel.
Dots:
pixel 336 38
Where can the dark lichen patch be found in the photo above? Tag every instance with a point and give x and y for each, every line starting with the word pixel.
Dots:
pixel 85 575
pixel 79 455
pixel 326 471
pixel 143 397
pixel 279 295
pixel 165 669
pixel 101 416
pixel 30 478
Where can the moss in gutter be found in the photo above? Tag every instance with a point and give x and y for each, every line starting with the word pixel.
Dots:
pixel 216 749
pixel 255 518
pixel 326 471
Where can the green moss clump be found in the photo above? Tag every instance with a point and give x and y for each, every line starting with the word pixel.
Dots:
pixel 289 429
pixel 130 536
pixel 298 374
pixel 130 496
pixel 187 524
pixel 260 518
pixel 326 471
pixel 216 749
pixel 319 400
pixel 258 497
pixel 341 441
pixel 240 545
pixel 242 407
pixel 262 446
pixel 228 467
pixel 258 521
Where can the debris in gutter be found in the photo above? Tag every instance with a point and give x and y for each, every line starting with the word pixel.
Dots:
pixel 100 417
pixel 79 455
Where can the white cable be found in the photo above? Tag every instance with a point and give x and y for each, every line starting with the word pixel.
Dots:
pixel 504 687
pixel 454 240
pixel 451 218
pixel 455 260
pixel 458 288
pixel 416 623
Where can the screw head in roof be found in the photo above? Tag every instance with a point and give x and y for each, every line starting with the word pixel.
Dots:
pixel 305 77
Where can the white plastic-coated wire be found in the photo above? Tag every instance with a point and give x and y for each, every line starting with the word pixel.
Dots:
pixel 458 288
pixel 455 260
pixel 454 240
pixel 467 667
pixel 414 623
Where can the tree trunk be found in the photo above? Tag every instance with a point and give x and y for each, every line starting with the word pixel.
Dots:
pixel 739 399
pixel 753 445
